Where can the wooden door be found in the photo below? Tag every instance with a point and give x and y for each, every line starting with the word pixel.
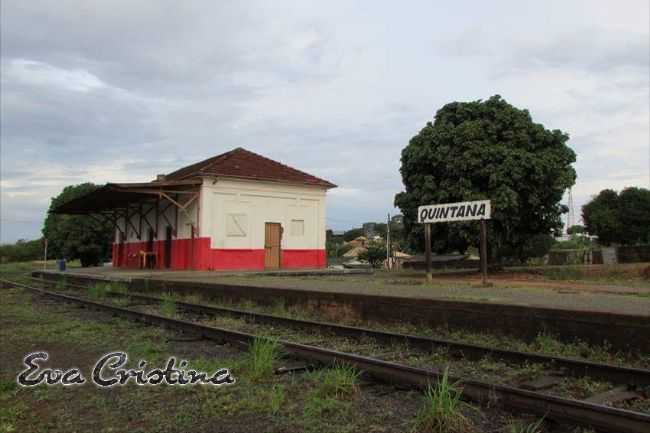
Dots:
pixel 272 245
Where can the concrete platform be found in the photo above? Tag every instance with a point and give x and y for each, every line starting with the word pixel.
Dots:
pixel 635 301
pixel 125 274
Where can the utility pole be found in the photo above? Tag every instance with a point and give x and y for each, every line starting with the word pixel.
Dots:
pixel 571 215
pixel 388 263
pixel 45 255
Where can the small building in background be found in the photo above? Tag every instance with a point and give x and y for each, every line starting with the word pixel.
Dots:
pixel 397 220
pixel 369 230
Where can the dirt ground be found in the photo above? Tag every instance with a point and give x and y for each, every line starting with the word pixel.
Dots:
pixel 620 289
pixel 75 337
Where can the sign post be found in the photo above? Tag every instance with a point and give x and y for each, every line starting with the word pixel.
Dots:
pixel 427 250
pixel 450 212
pixel 483 252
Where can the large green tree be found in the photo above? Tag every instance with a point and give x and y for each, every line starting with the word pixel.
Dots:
pixel 487 150
pixel 76 236
pixel 619 218
pixel 601 217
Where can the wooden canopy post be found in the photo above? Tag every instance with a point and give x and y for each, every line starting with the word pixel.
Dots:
pixel 427 250
pixel 157 214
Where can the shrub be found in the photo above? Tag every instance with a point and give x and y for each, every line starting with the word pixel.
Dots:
pixel 344 249
pixel 375 254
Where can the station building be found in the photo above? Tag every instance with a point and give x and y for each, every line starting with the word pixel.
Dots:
pixel 237 210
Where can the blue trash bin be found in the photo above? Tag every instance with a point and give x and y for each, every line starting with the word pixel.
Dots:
pixel 61 265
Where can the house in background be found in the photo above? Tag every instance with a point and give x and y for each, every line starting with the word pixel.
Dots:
pixel 237 210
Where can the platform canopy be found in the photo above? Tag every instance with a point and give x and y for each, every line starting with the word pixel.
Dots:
pixel 115 201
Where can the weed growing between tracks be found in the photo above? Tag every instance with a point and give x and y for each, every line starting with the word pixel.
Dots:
pixel 441 411
pixel 168 305
pixel 262 356
pixel 97 290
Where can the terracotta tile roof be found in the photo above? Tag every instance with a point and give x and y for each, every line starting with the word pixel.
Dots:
pixel 244 164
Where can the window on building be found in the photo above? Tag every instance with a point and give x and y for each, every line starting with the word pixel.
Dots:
pixel 297 227
pixel 236 225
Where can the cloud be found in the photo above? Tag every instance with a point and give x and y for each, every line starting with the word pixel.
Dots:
pixel 588 49
pixel 122 90
pixel 43 75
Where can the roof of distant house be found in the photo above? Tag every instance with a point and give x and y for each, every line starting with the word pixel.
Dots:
pixel 354 252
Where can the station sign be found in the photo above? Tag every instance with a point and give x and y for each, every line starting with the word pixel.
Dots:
pixel 449 212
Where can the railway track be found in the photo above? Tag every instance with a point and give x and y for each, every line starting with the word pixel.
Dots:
pixel 634 377
pixel 600 417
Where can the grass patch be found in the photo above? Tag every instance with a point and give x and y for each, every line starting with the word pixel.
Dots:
pixel 441 411
pixel 10 412
pixel 168 305
pixel 317 407
pixel 117 287
pixel 98 290
pixel 193 299
pixel 341 381
pixel 62 283
pixel 277 398
pixel 121 301
pixel 262 355
pixel 521 427
pixel 547 343
pixel 335 387
pixel 563 274
pixel 145 350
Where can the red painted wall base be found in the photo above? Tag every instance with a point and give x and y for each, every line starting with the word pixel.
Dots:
pixel 197 254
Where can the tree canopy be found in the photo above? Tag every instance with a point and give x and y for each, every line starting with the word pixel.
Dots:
pixel 487 150
pixel 575 229
pixel 352 234
pixel 619 218
pixel 76 236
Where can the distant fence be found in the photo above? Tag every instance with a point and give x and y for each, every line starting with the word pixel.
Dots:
pixel 605 255
pixel 633 254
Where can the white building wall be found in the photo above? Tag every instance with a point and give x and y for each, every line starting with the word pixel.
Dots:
pixel 233 213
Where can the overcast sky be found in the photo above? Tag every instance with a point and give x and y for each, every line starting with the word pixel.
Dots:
pixel 123 90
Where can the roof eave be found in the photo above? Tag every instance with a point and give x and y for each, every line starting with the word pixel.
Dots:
pixel 324 185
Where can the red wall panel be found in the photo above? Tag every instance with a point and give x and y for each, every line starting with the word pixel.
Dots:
pixel 197 251
pixel 304 259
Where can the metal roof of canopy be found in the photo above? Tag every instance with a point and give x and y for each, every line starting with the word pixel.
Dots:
pixel 113 196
